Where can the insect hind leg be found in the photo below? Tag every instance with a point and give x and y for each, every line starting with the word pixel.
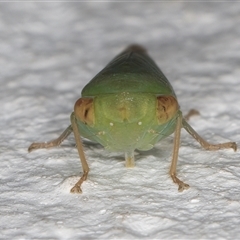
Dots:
pixel 206 145
pixel 53 143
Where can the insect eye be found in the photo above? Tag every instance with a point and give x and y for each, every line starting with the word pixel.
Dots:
pixel 167 106
pixel 84 110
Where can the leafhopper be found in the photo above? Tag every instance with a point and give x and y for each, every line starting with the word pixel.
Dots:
pixel 129 105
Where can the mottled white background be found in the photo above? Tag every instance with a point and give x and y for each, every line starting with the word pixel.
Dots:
pixel 48 52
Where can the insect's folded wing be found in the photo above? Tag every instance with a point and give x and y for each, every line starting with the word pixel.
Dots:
pixel 130 71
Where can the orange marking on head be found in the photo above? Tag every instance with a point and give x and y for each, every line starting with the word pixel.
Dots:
pixel 167 106
pixel 84 110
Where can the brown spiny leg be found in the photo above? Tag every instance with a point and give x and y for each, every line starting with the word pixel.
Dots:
pixel 173 168
pixel 167 108
pixel 84 112
pixel 52 143
pixel 204 143
pixel 77 187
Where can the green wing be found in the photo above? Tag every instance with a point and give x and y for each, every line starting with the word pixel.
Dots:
pixel 131 71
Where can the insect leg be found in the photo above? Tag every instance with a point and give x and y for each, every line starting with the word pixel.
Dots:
pixel 129 159
pixel 77 187
pixel 52 143
pixel 205 144
pixel 173 168
pixel 192 112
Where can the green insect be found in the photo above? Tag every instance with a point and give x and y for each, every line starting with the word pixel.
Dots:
pixel 129 105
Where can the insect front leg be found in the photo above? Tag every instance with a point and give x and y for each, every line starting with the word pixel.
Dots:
pixel 205 144
pixel 53 143
pixel 77 187
pixel 173 169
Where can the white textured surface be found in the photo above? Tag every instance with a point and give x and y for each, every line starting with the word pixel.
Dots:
pixel 48 52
